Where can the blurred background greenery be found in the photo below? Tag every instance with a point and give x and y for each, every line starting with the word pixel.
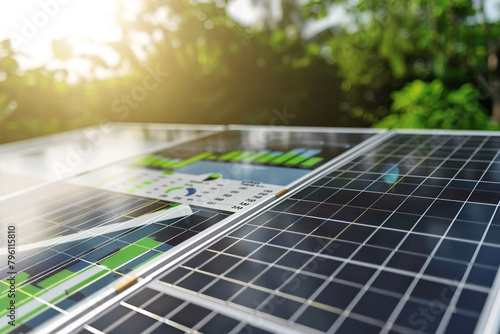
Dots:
pixel 381 63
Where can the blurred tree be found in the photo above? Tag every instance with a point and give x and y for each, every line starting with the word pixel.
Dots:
pixel 38 102
pixel 431 105
pixel 221 72
pixel 218 72
pixel 186 61
pixel 390 42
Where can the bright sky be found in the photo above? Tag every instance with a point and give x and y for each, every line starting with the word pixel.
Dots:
pixel 34 24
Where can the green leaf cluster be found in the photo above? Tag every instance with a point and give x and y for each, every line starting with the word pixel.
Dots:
pixel 423 105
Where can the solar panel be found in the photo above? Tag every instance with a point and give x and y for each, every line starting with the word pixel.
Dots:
pixel 89 240
pixel 401 237
pixel 27 165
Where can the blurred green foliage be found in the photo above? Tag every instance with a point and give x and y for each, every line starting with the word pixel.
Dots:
pixel 419 63
pixel 34 102
pixel 391 43
pixel 421 105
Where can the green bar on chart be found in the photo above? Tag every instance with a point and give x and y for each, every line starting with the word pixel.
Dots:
pixel 269 157
pixel 257 155
pixel 145 161
pixel 236 157
pixel 311 162
pixel 230 155
pixel 304 156
pixel 243 156
pixel 287 156
pixel 295 161
pixel 158 161
pixel 166 163
pixel 171 163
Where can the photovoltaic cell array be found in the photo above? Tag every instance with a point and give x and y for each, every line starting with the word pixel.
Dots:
pixel 402 239
pixel 151 311
pixel 44 273
pixel 76 241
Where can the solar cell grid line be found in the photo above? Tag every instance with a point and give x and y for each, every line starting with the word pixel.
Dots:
pixel 423 178
pixel 173 309
pixel 124 208
pixel 62 205
pixel 455 298
pixel 22 209
pixel 250 283
pixel 449 310
pixel 187 316
pixel 214 214
pixel 118 201
pixel 320 256
pixel 87 329
pixel 21 239
pixel 151 315
pixel 217 323
pixel 258 276
pixel 227 310
pixel 48 271
pixel 409 146
pixel 77 257
pixel 358 296
pixel 241 260
pixel 464 202
pixel 209 318
pixel 353 180
pixel 139 202
pixel 412 182
pixel 104 243
pixel 246 328
pixel 361 190
pixel 369 182
pixel 257 288
pixel 382 266
pixel 361 159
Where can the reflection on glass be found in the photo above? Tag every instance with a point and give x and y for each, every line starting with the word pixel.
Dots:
pixel 390 173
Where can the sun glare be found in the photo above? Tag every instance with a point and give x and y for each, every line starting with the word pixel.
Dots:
pixel 32 25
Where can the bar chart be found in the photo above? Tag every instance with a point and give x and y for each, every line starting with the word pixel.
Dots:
pixel 297 157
